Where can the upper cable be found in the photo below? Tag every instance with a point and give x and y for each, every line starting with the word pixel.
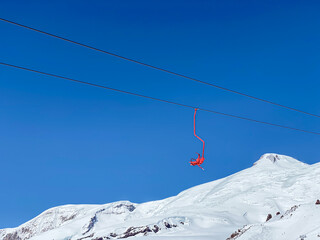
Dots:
pixel 160 69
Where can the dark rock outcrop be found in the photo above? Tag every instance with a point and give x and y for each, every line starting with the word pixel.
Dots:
pixel 269 217
pixel 12 236
pixel 91 224
pixel 130 207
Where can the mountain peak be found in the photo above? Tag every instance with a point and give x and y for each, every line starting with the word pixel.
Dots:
pixel 278 186
pixel 273 159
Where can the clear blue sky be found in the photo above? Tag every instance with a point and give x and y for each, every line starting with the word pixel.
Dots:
pixel 65 143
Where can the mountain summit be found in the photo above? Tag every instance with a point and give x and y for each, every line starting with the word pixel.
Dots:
pixel 274 199
pixel 279 160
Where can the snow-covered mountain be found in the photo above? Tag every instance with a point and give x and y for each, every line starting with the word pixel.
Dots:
pixel 275 199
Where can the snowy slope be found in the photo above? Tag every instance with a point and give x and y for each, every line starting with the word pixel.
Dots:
pixel 235 207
